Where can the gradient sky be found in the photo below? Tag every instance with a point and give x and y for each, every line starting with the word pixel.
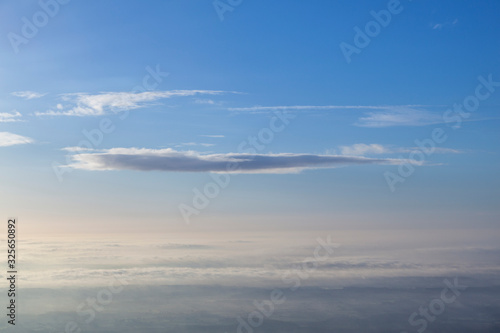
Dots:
pixel 226 78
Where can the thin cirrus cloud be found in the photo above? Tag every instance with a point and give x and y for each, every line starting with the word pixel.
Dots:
pixel 28 94
pixel 259 108
pixel 82 104
pixel 361 149
pixel 205 101
pixel 170 160
pixel 9 117
pixel 378 116
pixel 264 109
pixel 11 139
pixel 183 144
pixel 399 116
pixel 447 24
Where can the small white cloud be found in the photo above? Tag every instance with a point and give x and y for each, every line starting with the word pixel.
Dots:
pixel 9 117
pixel 10 139
pixel 361 149
pixel 28 94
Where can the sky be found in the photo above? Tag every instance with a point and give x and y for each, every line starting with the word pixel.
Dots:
pixel 212 143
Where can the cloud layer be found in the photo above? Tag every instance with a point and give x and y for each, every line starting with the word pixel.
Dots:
pixel 191 161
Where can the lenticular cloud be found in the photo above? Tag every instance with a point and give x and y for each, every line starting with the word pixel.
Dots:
pixel 191 161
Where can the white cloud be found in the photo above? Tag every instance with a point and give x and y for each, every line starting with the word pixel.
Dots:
pixel 399 116
pixel 364 149
pixel 10 139
pixel 8 117
pixel 213 136
pixel 81 104
pixel 28 94
pixel 142 159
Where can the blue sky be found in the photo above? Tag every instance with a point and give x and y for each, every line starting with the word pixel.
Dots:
pixel 352 122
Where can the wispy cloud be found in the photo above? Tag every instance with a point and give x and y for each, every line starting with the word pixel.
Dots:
pixel 195 144
pixel 399 116
pixel 9 117
pixel 206 101
pixel 377 115
pixel 361 149
pixel 81 104
pixel 213 136
pixel 76 149
pixel 27 94
pixel 192 161
pixel 444 24
pixel 11 139
pixel 440 150
pixel 259 108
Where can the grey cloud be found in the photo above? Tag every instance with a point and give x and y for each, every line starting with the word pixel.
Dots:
pixel 189 161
